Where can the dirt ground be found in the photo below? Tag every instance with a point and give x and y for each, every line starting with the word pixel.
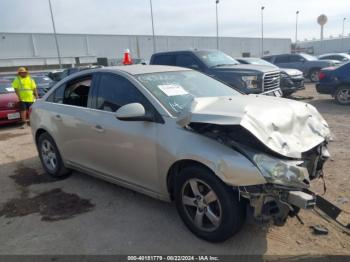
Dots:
pixel 84 215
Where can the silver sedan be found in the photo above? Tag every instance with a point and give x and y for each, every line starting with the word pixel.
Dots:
pixel 178 135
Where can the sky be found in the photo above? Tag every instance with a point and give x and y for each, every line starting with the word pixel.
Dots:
pixel 238 18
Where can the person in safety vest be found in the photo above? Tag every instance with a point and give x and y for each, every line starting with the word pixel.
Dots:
pixel 25 88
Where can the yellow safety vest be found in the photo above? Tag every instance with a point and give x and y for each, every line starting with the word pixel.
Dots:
pixel 25 87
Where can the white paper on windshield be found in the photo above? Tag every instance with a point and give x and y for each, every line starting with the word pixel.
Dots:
pixel 10 89
pixel 173 90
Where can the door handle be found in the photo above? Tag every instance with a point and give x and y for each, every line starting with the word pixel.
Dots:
pixel 58 117
pixel 98 128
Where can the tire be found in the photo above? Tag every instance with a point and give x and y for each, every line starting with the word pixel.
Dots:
pixel 50 157
pixel 342 95
pixel 313 74
pixel 227 214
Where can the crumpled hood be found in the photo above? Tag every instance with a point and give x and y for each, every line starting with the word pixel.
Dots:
pixel 287 127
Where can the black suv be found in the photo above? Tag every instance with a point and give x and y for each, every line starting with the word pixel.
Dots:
pixel 249 79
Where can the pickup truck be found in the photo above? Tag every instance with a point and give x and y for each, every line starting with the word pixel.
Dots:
pixel 308 64
pixel 292 80
pixel 249 79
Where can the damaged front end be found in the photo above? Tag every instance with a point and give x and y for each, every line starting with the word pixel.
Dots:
pixel 286 177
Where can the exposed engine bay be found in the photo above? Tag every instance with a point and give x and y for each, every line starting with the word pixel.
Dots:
pixel 271 201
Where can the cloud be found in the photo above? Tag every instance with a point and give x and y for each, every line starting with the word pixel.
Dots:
pixel 174 17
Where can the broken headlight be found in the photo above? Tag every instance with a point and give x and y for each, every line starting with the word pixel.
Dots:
pixel 277 171
pixel 250 81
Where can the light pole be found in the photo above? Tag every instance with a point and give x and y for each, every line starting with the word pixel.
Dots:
pixel 55 35
pixel 262 31
pixel 296 28
pixel 153 36
pixel 217 25
pixel 342 34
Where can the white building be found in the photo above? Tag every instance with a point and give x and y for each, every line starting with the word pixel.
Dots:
pixel 329 45
pixel 37 49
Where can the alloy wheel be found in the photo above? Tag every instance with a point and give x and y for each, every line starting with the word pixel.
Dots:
pixel 201 205
pixel 49 156
pixel 344 96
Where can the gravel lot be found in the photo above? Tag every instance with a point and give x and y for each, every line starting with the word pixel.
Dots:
pixel 84 215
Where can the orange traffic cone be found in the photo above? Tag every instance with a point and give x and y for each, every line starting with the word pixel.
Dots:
pixel 127 58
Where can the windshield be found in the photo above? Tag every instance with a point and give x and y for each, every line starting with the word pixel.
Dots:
pixel 5 87
pixel 216 58
pixel 309 57
pixel 176 90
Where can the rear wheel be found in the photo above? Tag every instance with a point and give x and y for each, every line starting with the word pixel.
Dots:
pixel 50 157
pixel 314 75
pixel 342 95
pixel 208 207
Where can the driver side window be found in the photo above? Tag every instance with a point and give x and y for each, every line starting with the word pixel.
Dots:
pixel 116 91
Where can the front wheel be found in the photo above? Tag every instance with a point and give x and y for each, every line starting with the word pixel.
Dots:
pixel 207 206
pixel 50 157
pixel 314 75
pixel 342 95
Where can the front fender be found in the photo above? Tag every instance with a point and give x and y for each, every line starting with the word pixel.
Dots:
pixel 229 165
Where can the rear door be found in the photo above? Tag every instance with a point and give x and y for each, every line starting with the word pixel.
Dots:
pixel 282 61
pixel 71 119
pixel 298 62
pixel 125 150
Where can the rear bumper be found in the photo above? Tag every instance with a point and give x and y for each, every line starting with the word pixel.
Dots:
pixel 4 116
pixel 323 88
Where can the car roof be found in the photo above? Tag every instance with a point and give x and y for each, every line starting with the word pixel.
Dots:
pixel 341 54
pixel 143 69
pixel 195 50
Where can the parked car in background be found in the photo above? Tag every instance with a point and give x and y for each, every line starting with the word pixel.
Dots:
pixel 292 80
pixel 43 83
pixel 9 103
pixel 197 141
pixel 58 75
pixel 308 64
pixel 341 57
pixel 335 81
pixel 249 79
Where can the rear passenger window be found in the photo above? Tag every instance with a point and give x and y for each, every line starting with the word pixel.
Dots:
pixel 282 59
pixel 164 60
pixel 295 58
pixel 186 61
pixel 116 91
pixel 76 93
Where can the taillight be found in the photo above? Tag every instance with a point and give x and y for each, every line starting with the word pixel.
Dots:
pixel 321 76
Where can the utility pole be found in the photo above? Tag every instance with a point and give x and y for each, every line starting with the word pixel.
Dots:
pixel 153 35
pixel 296 29
pixel 262 31
pixel 217 25
pixel 342 35
pixel 55 35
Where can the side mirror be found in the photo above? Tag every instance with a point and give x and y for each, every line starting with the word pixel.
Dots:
pixel 133 112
